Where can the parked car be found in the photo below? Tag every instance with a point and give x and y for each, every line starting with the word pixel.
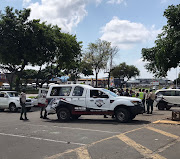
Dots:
pixel 167 98
pixel 10 100
pixel 72 101
pixel 5 86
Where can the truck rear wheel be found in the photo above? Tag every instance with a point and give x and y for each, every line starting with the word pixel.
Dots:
pixel 132 116
pixel 63 114
pixel 168 107
pixel 161 106
pixel 122 115
pixel 12 107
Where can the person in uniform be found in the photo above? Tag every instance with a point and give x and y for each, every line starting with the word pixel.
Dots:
pixel 151 98
pixel 22 99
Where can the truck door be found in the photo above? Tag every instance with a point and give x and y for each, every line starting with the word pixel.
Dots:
pixel 78 96
pixel 97 99
pixel 3 100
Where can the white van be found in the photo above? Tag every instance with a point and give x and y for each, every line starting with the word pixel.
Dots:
pixel 167 98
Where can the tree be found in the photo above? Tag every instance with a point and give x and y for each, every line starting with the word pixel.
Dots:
pixel 25 42
pixel 165 54
pixel 22 40
pixel 97 55
pixel 27 75
pixel 125 71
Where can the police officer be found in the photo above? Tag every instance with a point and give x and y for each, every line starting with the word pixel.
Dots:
pixel 151 98
pixel 22 99
pixel 141 96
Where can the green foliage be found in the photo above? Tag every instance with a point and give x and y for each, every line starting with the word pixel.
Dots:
pixel 25 42
pixel 165 54
pixel 98 55
pixel 125 71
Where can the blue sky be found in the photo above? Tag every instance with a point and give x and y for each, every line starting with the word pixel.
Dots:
pixel 128 24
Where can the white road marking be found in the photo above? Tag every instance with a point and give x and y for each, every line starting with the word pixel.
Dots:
pixel 38 138
pixel 110 132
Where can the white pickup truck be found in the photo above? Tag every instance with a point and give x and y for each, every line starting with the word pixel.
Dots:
pixel 72 101
pixel 10 100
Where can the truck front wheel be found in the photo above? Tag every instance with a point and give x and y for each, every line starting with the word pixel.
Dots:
pixel 13 108
pixel 63 114
pixel 161 106
pixel 122 115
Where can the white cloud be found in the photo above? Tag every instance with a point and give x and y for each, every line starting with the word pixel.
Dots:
pixel 26 2
pixel 171 75
pixel 115 1
pixel 164 1
pixel 98 2
pixel 125 34
pixel 65 13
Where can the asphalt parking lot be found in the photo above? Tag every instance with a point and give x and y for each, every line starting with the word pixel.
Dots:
pixel 90 137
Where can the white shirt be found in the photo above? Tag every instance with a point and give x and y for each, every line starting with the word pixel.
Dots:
pixel 23 97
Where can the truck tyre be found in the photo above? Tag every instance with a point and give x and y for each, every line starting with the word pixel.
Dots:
pixel 161 106
pixel 12 107
pixel 122 115
pixel 168 107
pixel 75 117
pixel 63 114
pixel 132 116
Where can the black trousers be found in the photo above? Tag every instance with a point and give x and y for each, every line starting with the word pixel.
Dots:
pixel 23 110
pixel 41 112
pixel 150 105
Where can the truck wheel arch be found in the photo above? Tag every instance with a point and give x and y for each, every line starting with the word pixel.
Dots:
pixel 12 107
pixel 121 106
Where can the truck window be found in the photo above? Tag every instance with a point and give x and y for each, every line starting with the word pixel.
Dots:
pixel 1 94
pixel 60 91
pixel 97 94
pixel 177 93
pixel 169 93
pixel 160 93
pixel 78 91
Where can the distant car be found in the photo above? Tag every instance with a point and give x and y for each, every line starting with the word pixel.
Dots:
pixel 5 86
pixel 167 98
pixel 154 87
pixel 35 101
pixel 10 100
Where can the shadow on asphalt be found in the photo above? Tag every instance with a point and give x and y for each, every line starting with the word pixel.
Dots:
pixel 101 121
pixel 33 109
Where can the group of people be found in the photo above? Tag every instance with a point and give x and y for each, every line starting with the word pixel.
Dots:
pixel 147 97
pixel 22 99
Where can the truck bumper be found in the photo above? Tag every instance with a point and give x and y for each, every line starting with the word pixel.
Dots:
pixel 138 109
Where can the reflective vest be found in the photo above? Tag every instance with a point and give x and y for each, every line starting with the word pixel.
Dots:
pixel 141 95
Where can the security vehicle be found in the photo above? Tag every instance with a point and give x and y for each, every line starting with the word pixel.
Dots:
pixel 10 100
pixel 72 101
pixel 167 98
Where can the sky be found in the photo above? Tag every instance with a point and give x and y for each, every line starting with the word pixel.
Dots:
pixel 129 25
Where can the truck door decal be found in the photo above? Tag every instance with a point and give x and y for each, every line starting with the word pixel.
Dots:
pixel 99 102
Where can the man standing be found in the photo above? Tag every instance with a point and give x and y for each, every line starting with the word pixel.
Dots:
pixel 23 105
pixel 143 100
pixel 151 98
